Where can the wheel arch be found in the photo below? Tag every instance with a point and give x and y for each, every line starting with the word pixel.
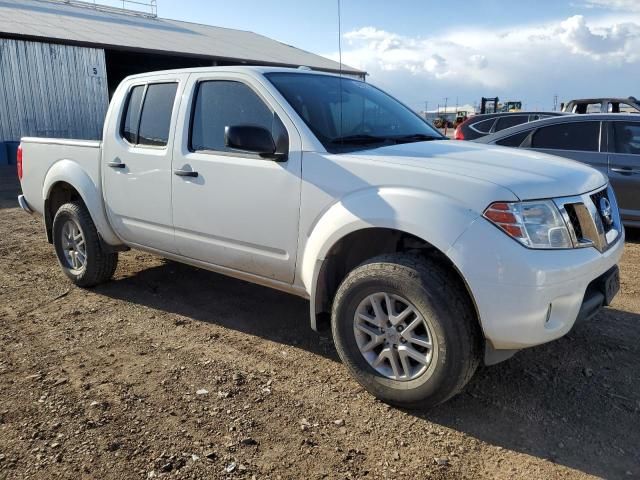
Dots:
pixel 67 181
pixel 351 232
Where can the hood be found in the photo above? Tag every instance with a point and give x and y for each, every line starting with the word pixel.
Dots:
pixel 528 174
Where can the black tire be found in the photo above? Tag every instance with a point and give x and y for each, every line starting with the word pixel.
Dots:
pixel 438 294
pixel 99 265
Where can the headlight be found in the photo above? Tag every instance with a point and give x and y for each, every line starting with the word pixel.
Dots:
pixel 536 224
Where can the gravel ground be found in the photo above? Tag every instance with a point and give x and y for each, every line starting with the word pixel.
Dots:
pixel 178 372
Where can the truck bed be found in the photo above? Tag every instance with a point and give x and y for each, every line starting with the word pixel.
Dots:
pixel 45 159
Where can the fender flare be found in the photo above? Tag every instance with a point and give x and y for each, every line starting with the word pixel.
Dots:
pixel 70 172
pixel 433 217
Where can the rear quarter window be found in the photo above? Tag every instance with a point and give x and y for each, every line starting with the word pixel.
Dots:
pixel 483 126
pixel 131 118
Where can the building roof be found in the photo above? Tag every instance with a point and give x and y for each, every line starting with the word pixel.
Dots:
pixel 452 109
pixel 61 22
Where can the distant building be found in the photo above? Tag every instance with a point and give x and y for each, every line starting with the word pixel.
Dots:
pixel 450 113
pixel 60 61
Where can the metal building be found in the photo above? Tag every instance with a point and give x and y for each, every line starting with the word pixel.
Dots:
pixel 60 60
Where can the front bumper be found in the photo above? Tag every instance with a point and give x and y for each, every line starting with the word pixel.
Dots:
pixel 527 297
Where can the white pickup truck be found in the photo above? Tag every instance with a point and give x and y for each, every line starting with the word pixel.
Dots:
pixel 425 255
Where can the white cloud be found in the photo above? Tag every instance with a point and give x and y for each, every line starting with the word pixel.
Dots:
pixel 614 41
pixel 624 5
pixel 572 57
pixel 479 61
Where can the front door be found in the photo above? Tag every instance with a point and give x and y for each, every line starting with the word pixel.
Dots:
pixel 235 209
pixel 624 167
pixel 137 164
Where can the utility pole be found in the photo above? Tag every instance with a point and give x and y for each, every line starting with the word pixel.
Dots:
pixel 426 108
pixel 555 102
pixel 446 121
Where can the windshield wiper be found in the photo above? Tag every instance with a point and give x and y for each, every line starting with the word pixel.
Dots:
pixel 364 139
pixel 416 137
pixel 360 139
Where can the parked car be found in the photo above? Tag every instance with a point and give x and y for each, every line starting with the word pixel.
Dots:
pixel 427 255
pixel 486 124
pixel 608 142
pixel 603 105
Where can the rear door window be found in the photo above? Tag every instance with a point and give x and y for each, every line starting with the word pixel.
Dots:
pixel 510 121
pixel 147 117
pixel 514 140
pixel 582 136
pixel 155 120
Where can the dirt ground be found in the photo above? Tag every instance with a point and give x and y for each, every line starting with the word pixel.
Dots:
pixel 110 383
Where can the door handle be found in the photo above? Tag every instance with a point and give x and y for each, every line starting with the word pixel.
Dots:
pixel 116 164
pixel 185 173
pixel 625 170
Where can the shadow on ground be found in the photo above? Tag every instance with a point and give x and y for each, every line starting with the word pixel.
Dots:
pixel 574 401
pixel 9 187
pixel 234 304
pixel 632 235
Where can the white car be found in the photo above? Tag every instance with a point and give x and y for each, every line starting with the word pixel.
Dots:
pixel 426 256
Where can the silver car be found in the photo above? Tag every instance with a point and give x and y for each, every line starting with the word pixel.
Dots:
pixel 608 142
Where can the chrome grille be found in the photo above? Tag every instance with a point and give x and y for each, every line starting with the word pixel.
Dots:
pixel 587 224
pixel 596 198
pixel 573 219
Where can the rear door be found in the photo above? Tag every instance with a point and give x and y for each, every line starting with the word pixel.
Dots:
pixel 624 167
pixel 137 163
pixel 579 140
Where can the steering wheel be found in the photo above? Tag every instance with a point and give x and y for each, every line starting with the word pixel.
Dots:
pixel 363 128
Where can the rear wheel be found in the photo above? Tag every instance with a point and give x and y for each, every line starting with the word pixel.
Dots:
pixel 406 329
pixel 80 253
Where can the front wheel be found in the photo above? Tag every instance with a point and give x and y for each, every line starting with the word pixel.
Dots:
pixel 406 329
pixel 80 253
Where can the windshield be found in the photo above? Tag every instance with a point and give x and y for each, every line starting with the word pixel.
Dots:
pixel 361 117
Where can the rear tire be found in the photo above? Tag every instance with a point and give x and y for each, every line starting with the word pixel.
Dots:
pixel 78 247
pixel 432 331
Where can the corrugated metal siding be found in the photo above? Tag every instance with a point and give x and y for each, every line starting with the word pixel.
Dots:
pixel 51 90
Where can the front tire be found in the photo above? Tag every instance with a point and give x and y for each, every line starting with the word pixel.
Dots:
pixel 406 329
pixel 78 247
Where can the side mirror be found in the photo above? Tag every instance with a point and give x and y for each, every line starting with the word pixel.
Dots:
pixel 250 138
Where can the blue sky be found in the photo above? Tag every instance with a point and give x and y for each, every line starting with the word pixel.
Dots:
pixel 428 50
